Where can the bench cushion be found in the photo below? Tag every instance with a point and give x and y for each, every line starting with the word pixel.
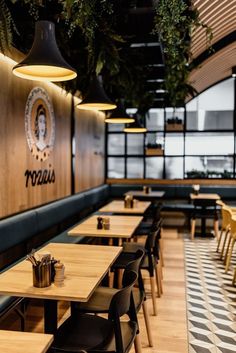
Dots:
pixel 17 229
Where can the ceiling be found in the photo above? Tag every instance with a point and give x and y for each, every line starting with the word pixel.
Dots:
pixel 136 21
pixel 212 67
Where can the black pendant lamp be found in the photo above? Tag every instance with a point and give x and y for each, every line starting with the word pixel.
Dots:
pixel 96 98
pixel 136 127
pixel 44 61
pixel 119 115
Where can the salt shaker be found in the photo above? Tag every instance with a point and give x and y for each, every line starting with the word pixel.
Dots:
pixel 59 274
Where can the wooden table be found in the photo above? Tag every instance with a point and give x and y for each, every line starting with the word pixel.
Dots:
pixel 85 267
pixel 142 195
pixel 120 227
pixel 24 342
pixel 205 196
pixel 118 207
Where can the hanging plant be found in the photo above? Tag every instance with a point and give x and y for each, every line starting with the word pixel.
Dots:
pixel 175 21
pixel 7 27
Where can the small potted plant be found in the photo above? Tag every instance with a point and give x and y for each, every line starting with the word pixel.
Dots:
pixel 154 149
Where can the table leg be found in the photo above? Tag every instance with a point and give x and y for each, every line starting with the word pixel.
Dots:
pixel 203 226
pixel 50 316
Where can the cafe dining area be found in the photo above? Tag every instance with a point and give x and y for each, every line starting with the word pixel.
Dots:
pixel 117 182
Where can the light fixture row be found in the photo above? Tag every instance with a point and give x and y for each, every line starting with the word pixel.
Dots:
pixel 44 62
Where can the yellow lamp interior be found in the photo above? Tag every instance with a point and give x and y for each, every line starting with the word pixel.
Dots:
pixel 44 73
pixel 119 120
pixel 96 106
pixel 135 129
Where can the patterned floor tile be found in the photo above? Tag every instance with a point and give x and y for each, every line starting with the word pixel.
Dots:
pixel 211 299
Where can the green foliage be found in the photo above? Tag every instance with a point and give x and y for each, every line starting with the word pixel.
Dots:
pixel 94 19
pixel 175 21
pixel 7 27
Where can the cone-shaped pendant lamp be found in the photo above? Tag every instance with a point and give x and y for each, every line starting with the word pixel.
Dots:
pixel 119 115
pixel 136 127
pixel 44 61
pixel 96 98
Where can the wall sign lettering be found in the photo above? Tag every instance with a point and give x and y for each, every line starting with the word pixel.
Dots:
pixel 39 177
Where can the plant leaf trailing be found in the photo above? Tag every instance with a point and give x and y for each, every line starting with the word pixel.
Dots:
pixel 175 21
pixel 7 26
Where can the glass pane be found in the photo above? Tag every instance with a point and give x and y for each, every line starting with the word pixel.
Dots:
pixel 135 168
pixel 116 167
pixel 116 144
pixel 116 127
pixel 155 119
pixel 212 109
pixel 154 167
pixel 209 167
pixel 174 167
pixel 209 143
pixel 135 143
pixel 177 113
pixel 154 140
pixel 174 144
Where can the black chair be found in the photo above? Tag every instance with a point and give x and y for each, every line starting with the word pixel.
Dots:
pixel 204 209
pixel 93 333
pixel 149 263
pixel 102 296
pixel 139 292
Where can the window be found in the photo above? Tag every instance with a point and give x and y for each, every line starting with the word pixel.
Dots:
pixel 198 141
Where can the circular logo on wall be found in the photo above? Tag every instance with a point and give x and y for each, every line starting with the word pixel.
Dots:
pixel 39 124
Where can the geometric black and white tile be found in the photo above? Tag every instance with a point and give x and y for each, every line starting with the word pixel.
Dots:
pixel 211 299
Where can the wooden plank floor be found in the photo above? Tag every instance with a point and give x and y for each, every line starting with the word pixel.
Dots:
pixel 169 328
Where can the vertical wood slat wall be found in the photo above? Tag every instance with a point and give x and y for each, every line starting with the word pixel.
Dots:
pixel 16 158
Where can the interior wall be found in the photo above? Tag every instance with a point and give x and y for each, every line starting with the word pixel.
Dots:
pixel 15 156
pixel 89 149
pixel 17 193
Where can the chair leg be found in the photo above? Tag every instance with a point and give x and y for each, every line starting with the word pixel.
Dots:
pixel 137 344
pixel 227 249
pixel 216 228
pixel 229 255
pixel 153 292
pixel 147 323
pixel 234 277
pixel 193 228
pixel 224 243
pixel 158 280
pixel 219 240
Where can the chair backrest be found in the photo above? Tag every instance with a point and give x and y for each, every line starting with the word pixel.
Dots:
pixel 233 226
pixel 226 216
pixel 133 266
pixel 122 303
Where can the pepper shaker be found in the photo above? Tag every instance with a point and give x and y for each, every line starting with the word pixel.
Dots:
pixel 59 274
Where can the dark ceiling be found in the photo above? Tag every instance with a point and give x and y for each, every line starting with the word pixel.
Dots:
pixel 135 22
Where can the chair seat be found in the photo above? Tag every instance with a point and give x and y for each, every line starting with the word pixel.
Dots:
pixel 92 333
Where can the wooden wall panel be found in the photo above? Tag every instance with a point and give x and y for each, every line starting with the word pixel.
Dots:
pixel 89 146
pixel 15 156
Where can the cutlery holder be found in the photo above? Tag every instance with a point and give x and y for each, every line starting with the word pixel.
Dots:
pixel 42 275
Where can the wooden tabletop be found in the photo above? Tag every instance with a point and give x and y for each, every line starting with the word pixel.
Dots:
pixel 118 206
pixel 85 266
pixel 120 227
pixel 205 196
pixel 24 342
pixel 141 193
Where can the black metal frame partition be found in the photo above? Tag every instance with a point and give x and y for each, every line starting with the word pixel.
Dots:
pixel 165 133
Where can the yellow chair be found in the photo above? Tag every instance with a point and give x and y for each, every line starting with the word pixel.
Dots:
pixel 225 227
pixel 231 242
